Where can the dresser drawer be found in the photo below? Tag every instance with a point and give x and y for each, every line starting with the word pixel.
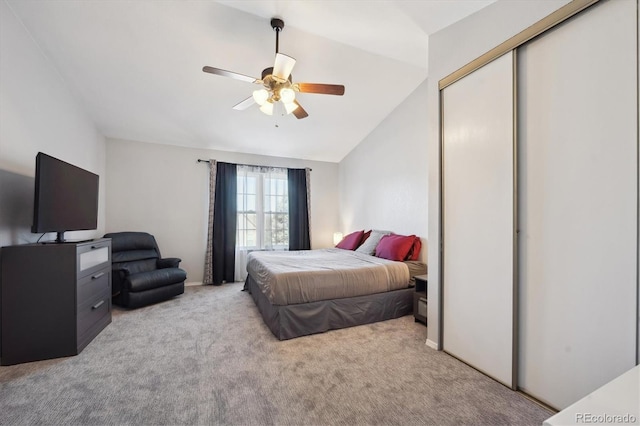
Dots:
pixel 91 285
pixel 93 257
pixel 93 310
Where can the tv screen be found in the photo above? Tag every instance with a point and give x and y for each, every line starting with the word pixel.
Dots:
pixel 66 197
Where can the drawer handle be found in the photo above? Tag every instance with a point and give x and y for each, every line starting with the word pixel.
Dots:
pixel 97 305
pixel 96 276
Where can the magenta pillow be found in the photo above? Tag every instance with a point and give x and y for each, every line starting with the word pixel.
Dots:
pixel 351 241
pixel 395 247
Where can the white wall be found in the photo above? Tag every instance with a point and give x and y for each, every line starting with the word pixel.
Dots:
pixel 37 113
pixel 162 190
pixel 383 181
pixel 449 50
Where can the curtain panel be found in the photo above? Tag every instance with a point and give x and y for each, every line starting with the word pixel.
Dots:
pixel 208 257
pixel 224 223
pixel 225 259
pixel 299 202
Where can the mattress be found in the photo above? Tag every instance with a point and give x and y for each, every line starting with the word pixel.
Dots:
pixel 293 277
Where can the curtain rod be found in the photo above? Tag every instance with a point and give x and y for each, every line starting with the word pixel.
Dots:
pixel 249 165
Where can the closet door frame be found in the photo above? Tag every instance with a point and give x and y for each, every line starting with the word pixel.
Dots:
pixel 559 16
pixel 550 21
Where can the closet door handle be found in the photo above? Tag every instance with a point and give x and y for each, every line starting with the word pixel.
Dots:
pixel 96 276
pixel 97 305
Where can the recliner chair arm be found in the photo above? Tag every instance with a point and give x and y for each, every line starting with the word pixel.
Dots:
pixel 123 271
pixel 168 262
pixel 119 274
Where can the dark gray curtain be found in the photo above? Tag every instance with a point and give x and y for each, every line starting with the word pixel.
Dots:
pixel 224 223
pixel 299 235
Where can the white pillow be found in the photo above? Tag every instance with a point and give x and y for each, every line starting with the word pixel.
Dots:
pixel 369 246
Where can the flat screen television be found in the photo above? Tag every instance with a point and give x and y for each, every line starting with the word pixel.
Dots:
pixel 66 197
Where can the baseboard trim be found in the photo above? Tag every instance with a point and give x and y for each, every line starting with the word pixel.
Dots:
pixel 431 344
pixel 199 283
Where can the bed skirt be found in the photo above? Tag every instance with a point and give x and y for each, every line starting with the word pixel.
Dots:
pixel 289 321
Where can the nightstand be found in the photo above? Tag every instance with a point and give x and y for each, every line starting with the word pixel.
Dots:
pixel 420 299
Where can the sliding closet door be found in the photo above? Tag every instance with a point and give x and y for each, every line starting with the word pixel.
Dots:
pixel 478 209
pixel 578 190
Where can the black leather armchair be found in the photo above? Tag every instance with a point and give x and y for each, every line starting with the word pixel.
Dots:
pixel 140 276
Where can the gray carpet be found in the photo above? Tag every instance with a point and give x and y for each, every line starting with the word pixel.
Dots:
pixel 207 358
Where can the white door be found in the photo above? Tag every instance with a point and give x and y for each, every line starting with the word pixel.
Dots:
pixel 478 212
pixel 577 104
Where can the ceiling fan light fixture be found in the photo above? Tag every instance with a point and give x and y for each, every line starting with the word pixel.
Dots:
pixel 267 108
pixel 290 107
pixel 278 84
pixel 260 96
pixel 283 66
pixel 287 95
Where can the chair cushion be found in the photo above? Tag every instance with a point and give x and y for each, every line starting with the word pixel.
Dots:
pixel 153 279
pixel 123 241
pixel 131 255
pixel 137 266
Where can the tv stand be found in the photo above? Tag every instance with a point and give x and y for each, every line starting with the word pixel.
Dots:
pixel 54 298
pixel 65 241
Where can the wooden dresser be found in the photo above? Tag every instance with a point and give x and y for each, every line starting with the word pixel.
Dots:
pixel 54 298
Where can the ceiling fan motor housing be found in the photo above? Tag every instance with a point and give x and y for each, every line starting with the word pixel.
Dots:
pixel 273 84
pixel 269 71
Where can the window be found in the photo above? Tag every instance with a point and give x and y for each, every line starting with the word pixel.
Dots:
pixel 263 208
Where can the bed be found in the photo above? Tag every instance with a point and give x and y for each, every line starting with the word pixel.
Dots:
pixel 312 291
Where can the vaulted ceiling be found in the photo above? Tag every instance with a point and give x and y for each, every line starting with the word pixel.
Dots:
pixel 136 66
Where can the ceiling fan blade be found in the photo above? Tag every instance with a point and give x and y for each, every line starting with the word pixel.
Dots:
pixel 325 89
pixel 233 75
pixel 283 66
pixel 299 112
pixel 245 104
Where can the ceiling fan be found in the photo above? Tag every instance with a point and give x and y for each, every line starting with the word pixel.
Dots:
pixel 277 83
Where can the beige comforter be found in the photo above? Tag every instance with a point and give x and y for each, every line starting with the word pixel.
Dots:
pixel 290 277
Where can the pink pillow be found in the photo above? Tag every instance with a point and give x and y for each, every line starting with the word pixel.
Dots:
pixel 395 247
pixel 414 252
pixel 351 241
